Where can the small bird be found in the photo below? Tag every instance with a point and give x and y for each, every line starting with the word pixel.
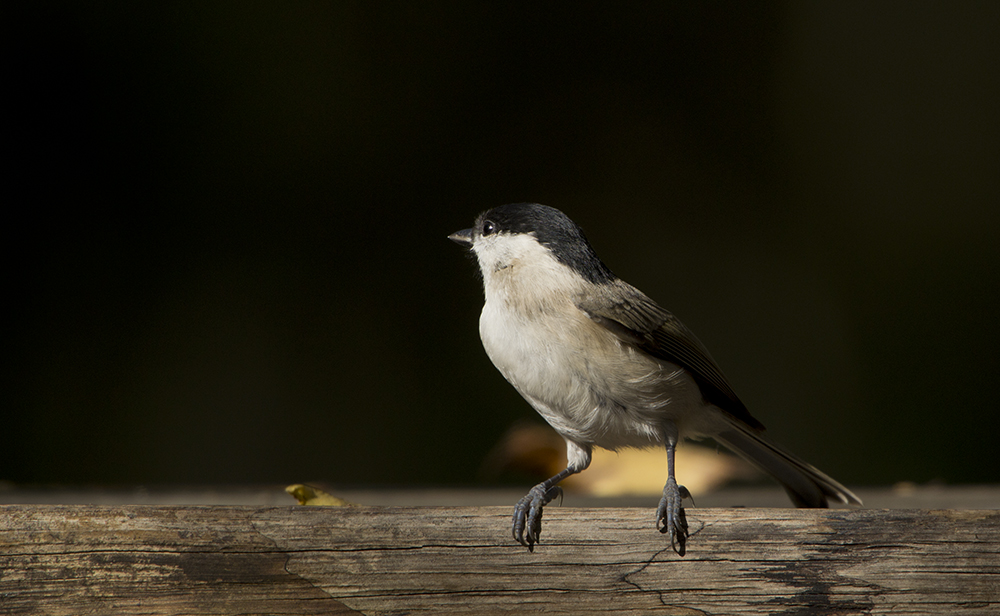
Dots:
pixel 606 366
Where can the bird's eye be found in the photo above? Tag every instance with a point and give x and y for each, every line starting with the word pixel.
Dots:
pixel 489 228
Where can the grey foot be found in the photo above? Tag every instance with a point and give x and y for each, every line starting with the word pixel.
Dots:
pixel 670 516
pixel 527 523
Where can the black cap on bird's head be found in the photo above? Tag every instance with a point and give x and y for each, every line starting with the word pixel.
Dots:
pixel 550 227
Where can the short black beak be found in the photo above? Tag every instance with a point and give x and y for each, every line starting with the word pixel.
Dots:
pixel 463 237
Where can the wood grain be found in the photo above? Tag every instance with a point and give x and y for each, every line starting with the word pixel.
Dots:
pixel 461 560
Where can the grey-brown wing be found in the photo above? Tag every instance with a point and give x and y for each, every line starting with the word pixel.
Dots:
pixel 638 320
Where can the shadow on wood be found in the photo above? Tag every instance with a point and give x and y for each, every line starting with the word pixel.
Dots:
pixel 461 560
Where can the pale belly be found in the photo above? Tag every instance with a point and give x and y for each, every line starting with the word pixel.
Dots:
pixel 590 386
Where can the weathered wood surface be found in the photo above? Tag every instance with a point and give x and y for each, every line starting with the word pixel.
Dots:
pixel 460 560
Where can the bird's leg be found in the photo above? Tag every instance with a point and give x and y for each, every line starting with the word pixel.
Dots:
pixel 527 523
pixel 669 512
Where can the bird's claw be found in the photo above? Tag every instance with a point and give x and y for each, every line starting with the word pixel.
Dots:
pixel 527 523
pixel 670 516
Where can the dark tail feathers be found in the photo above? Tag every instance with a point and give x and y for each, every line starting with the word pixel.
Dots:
pixel 806 485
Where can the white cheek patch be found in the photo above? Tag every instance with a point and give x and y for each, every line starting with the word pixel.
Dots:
pixel 501 250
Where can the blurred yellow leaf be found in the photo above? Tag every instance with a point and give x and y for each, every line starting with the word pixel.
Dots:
pixel 307 495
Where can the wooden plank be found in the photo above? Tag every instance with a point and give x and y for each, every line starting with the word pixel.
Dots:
pixel 461 560
pixel 900 496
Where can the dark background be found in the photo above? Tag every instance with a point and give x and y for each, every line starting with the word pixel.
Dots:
pixel 225 235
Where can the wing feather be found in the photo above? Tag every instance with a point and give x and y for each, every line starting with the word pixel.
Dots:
pixel 636 319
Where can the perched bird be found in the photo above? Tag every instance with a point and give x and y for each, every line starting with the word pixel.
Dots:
pixel 606 366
